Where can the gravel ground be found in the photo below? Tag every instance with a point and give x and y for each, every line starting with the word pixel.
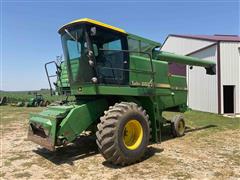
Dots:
pixel 203 153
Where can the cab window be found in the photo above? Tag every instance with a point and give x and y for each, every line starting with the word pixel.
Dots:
pixel 112 62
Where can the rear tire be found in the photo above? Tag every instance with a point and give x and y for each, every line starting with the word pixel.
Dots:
pixel 45 103
pixel 178 126
pixel 41 103
pixel 35 104
pixel 123 133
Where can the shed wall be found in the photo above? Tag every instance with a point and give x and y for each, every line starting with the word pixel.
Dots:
pixel 230 70
pixel 202 88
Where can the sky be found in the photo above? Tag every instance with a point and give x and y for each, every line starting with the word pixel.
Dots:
pixel 29 35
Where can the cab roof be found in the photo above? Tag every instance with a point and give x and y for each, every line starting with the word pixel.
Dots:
pixel 87 20
pixel 91 21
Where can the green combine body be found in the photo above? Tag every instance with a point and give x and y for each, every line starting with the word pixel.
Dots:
pixel 121 85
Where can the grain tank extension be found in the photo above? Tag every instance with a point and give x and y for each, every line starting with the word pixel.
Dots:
pixel 121 85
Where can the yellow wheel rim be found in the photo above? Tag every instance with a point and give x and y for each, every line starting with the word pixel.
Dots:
pixel 132 134
pixel 181 127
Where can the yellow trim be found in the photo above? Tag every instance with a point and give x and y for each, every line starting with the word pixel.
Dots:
pixel 158 85
pixel 179 88
pixel 132 134
pixel 162 85
pixel 94 22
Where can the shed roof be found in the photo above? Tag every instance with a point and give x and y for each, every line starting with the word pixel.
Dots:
pixel 216 37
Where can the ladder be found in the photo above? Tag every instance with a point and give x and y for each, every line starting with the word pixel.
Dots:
pixel 51 76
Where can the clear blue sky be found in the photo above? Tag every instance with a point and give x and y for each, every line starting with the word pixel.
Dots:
pixel 29 35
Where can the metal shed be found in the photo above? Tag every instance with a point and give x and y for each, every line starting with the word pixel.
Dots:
pixel 218 94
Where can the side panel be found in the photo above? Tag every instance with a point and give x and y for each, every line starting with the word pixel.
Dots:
pixel 64 76
pixel 144 75
pixel 80 118
pixel 169 90
pixel 178 90
pixel 140 71
pixel 63 86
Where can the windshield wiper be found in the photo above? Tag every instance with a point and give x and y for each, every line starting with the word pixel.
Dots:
pixel 70 35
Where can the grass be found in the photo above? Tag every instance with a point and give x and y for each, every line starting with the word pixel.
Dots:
pixel 28 164
pixel 199 119
pixel 10 114
pixel 18 157
pixel 22 175
pixel 7 163
pixel 163 161
pixel 2 174
pixel 181 175
pixel 159 162
pixel 233 157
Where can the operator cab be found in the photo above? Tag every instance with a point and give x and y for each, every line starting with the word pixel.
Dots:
pixel 95 53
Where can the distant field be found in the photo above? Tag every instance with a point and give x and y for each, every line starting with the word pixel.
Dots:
pixel 16 96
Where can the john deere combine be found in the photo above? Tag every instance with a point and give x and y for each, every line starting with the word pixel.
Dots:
pixel 121 85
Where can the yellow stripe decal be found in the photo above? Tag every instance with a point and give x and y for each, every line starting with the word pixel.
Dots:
pixel 148 84
pixel 161 85
pixel 94 22
pixel 179 88
pixel 157 85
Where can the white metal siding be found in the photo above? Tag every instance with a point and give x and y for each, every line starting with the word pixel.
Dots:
pixel 184 46
pixel 203 88
pixel 230 70
pixel 202 94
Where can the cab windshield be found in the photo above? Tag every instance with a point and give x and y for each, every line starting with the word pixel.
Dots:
pixel 75 50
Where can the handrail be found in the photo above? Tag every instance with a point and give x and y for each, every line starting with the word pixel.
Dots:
pixel 49 76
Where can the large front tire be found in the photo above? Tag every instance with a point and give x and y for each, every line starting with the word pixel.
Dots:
pixel 123 133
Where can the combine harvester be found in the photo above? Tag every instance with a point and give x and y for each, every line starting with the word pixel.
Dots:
pixel 121 86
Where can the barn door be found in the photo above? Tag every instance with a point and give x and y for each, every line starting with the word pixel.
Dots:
pixel 228 99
